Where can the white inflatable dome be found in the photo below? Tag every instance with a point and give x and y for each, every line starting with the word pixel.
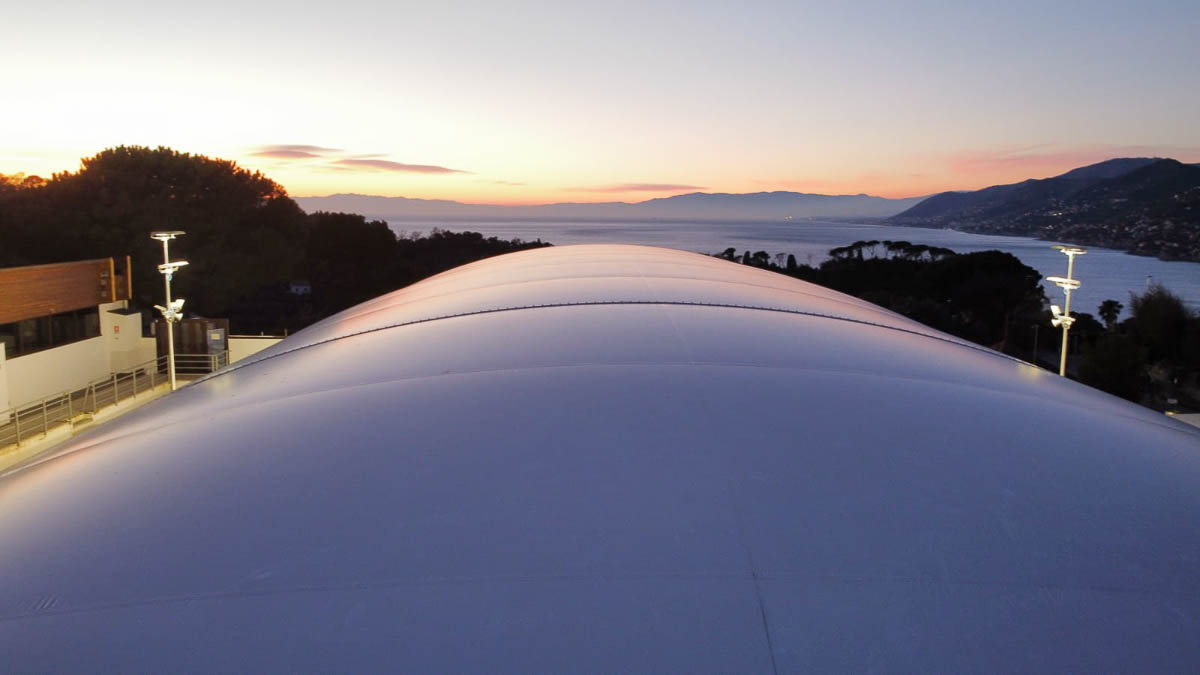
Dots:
pixel 614 459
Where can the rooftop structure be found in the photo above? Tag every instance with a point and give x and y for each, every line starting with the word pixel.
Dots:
pixel 64 324
pixel 612 458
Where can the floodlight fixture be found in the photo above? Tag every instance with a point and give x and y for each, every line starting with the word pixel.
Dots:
pixel 173 311
pixel 1060 319
pixel 1065 283
pixel 1068 283
pixel 1070 250
pixel 170 268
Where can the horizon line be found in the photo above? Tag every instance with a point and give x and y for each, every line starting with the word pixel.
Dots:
pixel 598 203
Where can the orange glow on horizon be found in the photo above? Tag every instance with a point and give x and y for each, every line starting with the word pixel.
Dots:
pixel 902 178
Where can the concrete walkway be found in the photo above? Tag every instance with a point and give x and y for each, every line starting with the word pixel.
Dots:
pixel 13 455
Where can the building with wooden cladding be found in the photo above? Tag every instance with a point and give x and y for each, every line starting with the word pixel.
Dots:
pixel 44 306
pixel 64 324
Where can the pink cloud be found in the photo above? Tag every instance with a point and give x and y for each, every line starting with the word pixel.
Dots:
pixel 978 168
pixel 285 154
pixel 387 165
pixel 292 151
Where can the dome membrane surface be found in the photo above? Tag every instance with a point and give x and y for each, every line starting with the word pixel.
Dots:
pixel 612 458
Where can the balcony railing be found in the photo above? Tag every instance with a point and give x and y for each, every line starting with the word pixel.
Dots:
pixel 36 419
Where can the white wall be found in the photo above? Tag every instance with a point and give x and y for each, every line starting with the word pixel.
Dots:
pixel 123 337
pixel 52 371
pixel 4 402
pixel 139 352
pixel 28 378
pixel 241 346
pixel 147 349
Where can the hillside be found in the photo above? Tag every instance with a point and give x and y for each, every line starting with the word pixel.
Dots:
pixel 1142 205
pixel 1010 201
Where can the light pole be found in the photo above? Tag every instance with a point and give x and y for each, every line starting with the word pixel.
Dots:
pixel 1063 317
pixel 174 309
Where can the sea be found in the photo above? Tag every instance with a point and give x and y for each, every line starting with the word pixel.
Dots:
pixel 1103 273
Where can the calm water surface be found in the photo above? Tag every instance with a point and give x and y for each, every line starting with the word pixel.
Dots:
pixel 1104 273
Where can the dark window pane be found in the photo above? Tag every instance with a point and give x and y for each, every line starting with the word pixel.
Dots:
pixel 8 337
pixel 91 323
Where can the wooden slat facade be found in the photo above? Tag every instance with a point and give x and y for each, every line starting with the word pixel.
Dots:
pixel 42 290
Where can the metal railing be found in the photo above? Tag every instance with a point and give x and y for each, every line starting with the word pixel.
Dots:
pixel 37 418
pixel 196 364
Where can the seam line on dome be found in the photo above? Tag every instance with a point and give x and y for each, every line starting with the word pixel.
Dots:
pixel 862 304
pixel 594 303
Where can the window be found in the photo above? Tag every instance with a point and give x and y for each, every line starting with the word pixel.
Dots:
pixel 31 335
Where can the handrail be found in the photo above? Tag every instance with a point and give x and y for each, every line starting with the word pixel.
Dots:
pixel 23 421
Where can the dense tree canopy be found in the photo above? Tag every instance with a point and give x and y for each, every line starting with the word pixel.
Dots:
pixel 993 299
pixel 235 221
pixel 1160 321
pixel 1115 363
pixel 1152 357
pixel 246 239
pixel 983 296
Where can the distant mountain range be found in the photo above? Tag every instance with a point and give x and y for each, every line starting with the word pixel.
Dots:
pixel 1144 205
pixel 694 206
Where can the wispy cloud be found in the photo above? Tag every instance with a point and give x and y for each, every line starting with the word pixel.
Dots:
pixel 388 165
pixel 505 182
pixel 640 187
pixel 342 161
pixel 293 151
pixel 285 154
pixel 1023 157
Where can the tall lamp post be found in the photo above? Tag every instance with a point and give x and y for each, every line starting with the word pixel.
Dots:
pixel 1063 317
pixel 174 309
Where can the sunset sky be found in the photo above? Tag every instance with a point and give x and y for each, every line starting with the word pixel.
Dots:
pixel 526 102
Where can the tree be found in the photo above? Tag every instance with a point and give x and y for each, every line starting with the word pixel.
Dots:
pixel 1109 311
pixel 19 181
pixel 242 229
pixel 987 290
pixel 1114 364
pixel 1160 321
pixel 348 259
